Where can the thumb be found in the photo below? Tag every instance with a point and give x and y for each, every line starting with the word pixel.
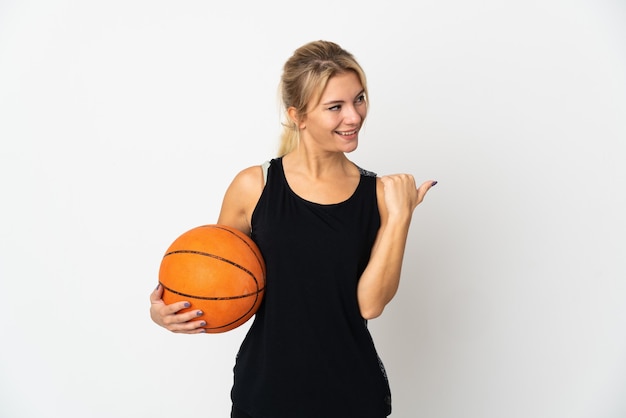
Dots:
pixel 157 294
pixel 424 188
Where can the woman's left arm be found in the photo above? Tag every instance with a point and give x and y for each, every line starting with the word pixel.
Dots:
pixel 397 199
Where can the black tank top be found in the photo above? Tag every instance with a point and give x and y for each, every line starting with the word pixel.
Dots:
pixel 308 353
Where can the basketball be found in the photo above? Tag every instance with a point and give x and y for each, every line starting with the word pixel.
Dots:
pixel 219 270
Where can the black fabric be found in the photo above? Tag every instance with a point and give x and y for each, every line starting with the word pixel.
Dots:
pixel 238 413
pixel 308 352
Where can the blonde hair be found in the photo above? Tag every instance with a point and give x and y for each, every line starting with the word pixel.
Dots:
pixel 305 76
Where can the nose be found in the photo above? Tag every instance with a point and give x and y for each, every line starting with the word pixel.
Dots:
pixel 352 115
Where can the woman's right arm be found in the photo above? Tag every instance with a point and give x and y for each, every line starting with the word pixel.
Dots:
pixel 239 202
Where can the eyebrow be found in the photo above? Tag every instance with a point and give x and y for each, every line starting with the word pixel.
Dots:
pixel 333 102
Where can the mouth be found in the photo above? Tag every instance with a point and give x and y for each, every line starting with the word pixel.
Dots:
pixel 347 133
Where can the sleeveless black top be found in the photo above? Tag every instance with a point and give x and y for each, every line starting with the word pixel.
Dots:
pixel 308 353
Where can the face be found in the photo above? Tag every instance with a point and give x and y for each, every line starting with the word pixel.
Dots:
pixel 333 124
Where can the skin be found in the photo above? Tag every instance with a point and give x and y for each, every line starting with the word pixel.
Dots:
pixel 319 171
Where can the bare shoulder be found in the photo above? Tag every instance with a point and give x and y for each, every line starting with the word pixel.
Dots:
pixel 249 179
pixel 241 198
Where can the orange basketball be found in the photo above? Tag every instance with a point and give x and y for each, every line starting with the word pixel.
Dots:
pixel 219 270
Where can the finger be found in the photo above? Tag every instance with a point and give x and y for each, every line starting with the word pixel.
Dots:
pixel 191 327
pixel 189 316
pixel 173 308
pixel 156 294
pixel 428 184
pixel 173 320
pixel 424 188
pixel 156 298
pixel 399 179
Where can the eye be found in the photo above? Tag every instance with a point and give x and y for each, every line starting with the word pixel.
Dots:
pixel 360 99
pixel 336 107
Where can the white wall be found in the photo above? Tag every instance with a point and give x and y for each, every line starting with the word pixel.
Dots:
pixel 122 123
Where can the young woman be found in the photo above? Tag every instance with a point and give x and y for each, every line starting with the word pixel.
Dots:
pixel 333 237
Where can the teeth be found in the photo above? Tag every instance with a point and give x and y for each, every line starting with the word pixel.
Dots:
pixel 347 133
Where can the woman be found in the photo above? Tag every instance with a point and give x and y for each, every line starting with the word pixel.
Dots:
pixel 333 237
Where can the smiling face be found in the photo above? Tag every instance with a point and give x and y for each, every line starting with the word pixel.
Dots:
pixel 332 123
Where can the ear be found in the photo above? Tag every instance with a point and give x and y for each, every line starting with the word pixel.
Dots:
pixel 293 116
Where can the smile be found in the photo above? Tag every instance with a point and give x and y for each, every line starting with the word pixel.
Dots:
pixel 348 133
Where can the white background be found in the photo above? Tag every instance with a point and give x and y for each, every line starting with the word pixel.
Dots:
pixel 123 122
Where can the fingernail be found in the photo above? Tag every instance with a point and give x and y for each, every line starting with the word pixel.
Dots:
pixel 203 331
pixel 187 304
pixel 158 285
pixel 203 323
pixel 434 183
pixel 199 313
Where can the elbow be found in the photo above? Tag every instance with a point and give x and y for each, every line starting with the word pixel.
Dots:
pixel 373 306
pixel 372 312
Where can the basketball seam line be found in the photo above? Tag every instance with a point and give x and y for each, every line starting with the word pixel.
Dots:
pixel 212 297
pixel 245 242
pixel 217 257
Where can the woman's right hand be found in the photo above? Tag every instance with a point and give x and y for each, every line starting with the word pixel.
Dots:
pixel 167 316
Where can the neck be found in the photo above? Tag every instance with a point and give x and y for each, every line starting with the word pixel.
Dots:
pixel 317 164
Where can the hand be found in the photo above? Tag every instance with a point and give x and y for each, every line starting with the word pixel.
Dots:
pixel 401 195
pixel 167 316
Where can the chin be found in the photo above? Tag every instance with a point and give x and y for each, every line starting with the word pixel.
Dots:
pixel 348 147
